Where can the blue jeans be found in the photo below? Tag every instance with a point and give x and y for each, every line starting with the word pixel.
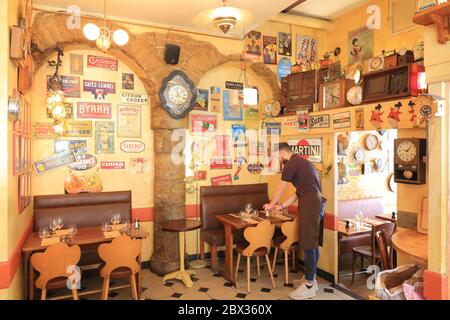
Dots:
pixel 312 258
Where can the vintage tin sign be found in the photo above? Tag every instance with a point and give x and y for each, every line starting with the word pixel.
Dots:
pixel 70 86
pixel 112 165
pixel 309 149
pixel 54 162
pixel 134 98
pixel 78 129
pixel 255 168
pixel 128 121
pixel 84 162
pixel 68 108
pixel 77 146
pixel 132 146
pixel 201 175
pixel 102 62
pixel 319 122
pixel 99 89
pixel 234 85
pixel 104 137
pixel 341 120
pixel 94 110
pixel 44 130
pixel 224 180
pixel 221 163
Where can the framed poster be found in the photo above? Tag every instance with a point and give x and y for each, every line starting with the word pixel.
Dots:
pixel 104 137
pixel 303 120
pixel 309 149
pixel 360 44
pixel 216 99
pixel 270 50
pixel 284 67
pixel 70 86
pixel 127 81
pixel 129 121
pixel 285 44
pixel 307 49
pixel 341 120
pixel 202 100
pixel 203 122
pixel 253 45
pixel 238 135
pixel 224 180
pixel 233 104
pixel 359 119
pixel 319 122
pixel 76 64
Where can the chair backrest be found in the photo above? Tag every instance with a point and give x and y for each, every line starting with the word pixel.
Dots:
pixel 259 236
pixel 54 262
pixel 229 199
pixel 388 230
pixel 383 248
pixel 290 231
pixel 122 252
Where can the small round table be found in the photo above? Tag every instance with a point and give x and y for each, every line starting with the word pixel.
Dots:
pixel 181 226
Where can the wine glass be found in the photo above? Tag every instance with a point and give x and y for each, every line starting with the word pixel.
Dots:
pixel 248 208
pixel 44 233
pixel 72 229
pixel 59 224
pixel 255 213
pixel 54 226
pixel 105 226
pixel 115 220
pixel 126 227
pixel 242 215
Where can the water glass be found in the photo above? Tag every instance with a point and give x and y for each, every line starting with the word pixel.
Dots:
pixel 115 219
pixel 60 223
pixel 106 226
pixel 126 227
pixel 255 213
pixel 44 233
pixel 73 230
pixel 54 226
pixel 248 208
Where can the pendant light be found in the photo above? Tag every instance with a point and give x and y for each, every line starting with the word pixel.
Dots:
pixel 225 18
pixel 55 99
pixel 250 93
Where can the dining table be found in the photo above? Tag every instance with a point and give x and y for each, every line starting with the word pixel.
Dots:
pixel 84 236
pixel 412 244
pixel 232 222
pixel 387 217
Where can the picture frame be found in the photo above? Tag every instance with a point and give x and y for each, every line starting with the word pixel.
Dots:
pixel 24 192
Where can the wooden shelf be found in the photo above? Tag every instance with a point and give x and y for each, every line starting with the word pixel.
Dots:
pixel 438 15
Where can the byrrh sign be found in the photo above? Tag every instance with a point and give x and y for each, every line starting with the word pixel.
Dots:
pixel 309 149
pixel 93 110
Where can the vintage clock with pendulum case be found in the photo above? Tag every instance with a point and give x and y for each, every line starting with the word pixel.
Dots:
pixel 178 94
pixel 409 165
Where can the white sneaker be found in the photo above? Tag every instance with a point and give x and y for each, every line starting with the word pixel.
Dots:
pixel 298 283
pixel 302 293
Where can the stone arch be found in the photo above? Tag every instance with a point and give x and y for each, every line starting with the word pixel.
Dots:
pixel 144 55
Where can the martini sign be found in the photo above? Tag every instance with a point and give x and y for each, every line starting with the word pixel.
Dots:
pixel 309 149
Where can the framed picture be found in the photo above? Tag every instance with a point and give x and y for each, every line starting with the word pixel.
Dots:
pixel 129 121
pixel 360 44
pixel 24 192
pixel 233 103
pixel 76 64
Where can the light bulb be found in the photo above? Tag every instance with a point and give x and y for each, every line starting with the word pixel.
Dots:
pixel 91 31
pixel 120 37
pixel 103 43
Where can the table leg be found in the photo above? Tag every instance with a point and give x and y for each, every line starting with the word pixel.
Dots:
pixel 228 274
pixel 139 279
pixel 25 261
pixel 30 282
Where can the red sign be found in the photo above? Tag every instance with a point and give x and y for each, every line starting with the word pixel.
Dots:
pixel 203 123
pixel 221 163
pixel 200 175
pixel 93 110
pixel 132 146
pixel 102 62
pixel 222 180
pixel 117 165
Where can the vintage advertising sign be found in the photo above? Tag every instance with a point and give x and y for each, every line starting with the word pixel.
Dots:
pixel 224 180
pixel 359 119
pixel 132 146
pixel 54 162
pixel 238 135
pixel 221 163
pixel 77 146
pixel 289 123
pixel 139 166
pixel 309 149
pixel 134 98
pixel 341 120
pixel 201 175
pixel 303 120
pixel 128 121
pixel 102 62
pixel 127 81
pixel 68 107
pixel 203 123
pixel 44 130
pixel 84 162
pixel 70 86
pixel 284 67
pixel 253 44
pixel 216 99
pixel 78 129
pixel 112 165
pixel 319 122
pixel 273 128
pixel 270 50
pixel 76 64
pixel 255 168
pixel 222 145
pixel 233 103
pixel 104 137
pixel 201 104
pixel 94 110
pixel 252 118
pixel 234 85
pixel 99 89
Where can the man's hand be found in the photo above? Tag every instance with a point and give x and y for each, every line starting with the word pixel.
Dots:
pixel 269 206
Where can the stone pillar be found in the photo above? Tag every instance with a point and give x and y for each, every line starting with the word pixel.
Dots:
pixel 169 191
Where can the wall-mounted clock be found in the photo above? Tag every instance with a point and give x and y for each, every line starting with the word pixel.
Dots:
pixel 376 63
pixel 333 94
pixel 359 155
pixel 370 142
pixel 178 94
pixel 409 166
pixel 275 109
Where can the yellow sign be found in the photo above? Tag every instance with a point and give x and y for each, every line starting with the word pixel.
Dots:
pixel 78 129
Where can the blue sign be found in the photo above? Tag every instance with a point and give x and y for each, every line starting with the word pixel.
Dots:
pixel 284 67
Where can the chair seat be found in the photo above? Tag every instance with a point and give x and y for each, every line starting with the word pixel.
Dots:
pixel 120 273
pixel 366 251
pixel 57 283
pixel 216 237
pixel 257 253
pixel 279 240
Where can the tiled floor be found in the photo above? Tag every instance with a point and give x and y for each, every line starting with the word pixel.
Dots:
pixel 208 286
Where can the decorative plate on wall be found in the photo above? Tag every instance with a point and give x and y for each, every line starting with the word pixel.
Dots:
pixel 178 94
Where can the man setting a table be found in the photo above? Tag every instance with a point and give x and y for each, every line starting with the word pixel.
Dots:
pixel 305 178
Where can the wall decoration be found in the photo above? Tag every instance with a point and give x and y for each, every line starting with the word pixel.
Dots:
pixel 139 165
pixel 129 121
pixel 319 122
pixel 253 45
pixel 307 49
pixel 70 86
pixel 309 149
pixel 24 191
pixel 255 168
pixel 94 110
pixel 238 135
pixel 132 146
pixel 341 120
pixel 359 118
pixel 127 81
pixel 78 128
pixel 99 89
pixel 240 161
pixel 224 180
pixel 252 118
pixel 273 128
pixel 84 162
pixel 76 64
pixel 394 115
pixel 77 146
pixel 233 103
pixel 200 175
pixel 134 98
pixel 375 118
pixel 234 85
pixel 44 130
pixel 222 145
pixel 68 108
pixel 256 148
pixel 285 44
pixel 177 94
pixel 104 137
pixel 201 103
pixel 289 123
pixel 203 123
pixel 216 99
pixel 102 62
pixel 270 50
pixel 361 42
pixel 284 67
pixel 54 162
pixel 414 117
pixel 112 165
pixel 220 163
pixel 21 153
pixel 75 184
pixel 303 120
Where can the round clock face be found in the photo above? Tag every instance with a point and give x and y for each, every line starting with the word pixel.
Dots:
pixel 354 95
pixel 425 111
pixel 332 95
pixel 406 151
pixel 376 63
pixel 178 94
pixel 359 155
pixel 371 142
pixel 275 109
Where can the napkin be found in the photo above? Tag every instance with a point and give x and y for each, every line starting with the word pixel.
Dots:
pixel 118 227
pixel 111 234
pixel 49 241
pixel 61 233
pixel 251 221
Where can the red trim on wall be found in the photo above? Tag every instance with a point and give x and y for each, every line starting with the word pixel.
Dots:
pixel 9 268
pixel 434 286
pixel 330 222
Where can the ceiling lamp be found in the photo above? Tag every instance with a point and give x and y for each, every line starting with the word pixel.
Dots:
pixel 102 35
pixel 55 99
pixel 225 18
pixel 250 93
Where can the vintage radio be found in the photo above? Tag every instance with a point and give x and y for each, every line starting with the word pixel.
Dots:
pixel 394 83
pixel 391 61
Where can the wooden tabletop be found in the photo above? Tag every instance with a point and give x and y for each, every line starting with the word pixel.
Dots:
pixel 181 225
pixel 352 231
pixel 411 243
pixel 238 224
pixel 84 236
pixel 387 217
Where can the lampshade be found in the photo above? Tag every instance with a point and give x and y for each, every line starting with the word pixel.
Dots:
pixel 250 96
pixel 120 37
pixel 91 31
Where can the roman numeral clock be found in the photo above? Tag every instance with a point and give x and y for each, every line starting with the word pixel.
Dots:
pixel 178 94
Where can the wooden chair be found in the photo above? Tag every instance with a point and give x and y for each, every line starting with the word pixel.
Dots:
pixel 120 257
pixel 54 265
pixel 259 243
pixel 287 242
pixel 383 249
pixel 372 252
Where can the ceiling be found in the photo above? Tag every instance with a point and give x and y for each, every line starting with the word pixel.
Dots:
pixel 326 9
pixel 175 14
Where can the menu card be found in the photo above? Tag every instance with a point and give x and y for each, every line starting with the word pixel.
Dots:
pixel 49 241
pixel 111 234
